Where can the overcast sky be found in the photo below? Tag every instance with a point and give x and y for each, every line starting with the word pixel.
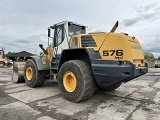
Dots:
pixel 24 23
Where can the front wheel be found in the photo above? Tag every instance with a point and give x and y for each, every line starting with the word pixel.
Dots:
pixel 2 64
pixel 31 74
pixel 76 81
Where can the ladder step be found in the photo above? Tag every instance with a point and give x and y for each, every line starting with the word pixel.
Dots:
pixel 57 56
pixel 54 62
pixel 53 74
pixel 54 68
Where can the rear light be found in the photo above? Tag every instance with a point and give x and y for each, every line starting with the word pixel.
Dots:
pixel 142 61
pixel 133 38
pixel 119 62
pixel 124 63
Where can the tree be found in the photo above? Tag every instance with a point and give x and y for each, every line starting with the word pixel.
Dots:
pixel 148 56
pixel 9 53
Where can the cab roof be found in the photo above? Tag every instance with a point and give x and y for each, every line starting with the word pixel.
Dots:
pixel 66 21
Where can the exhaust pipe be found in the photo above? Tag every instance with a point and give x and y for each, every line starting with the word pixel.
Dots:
pixel 18 72
pixel 114 27
pixel 112 30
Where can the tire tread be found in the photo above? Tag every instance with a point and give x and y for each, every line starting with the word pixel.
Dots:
pixel 38 81
pixel 86 76
pixel 89 89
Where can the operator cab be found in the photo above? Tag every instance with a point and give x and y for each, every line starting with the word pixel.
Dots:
pixel 1 54
pixel 61 33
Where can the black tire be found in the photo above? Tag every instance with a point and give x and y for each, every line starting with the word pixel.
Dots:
pixel 85 83
pixel 2 64
pixel 112 88
pixel 9 64
pixel 36 80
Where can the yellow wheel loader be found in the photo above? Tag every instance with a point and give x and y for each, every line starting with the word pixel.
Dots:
pixel 3 61
pixel 82 62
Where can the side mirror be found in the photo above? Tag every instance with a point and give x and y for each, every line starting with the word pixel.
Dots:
pixel 49 32
pixel 40 45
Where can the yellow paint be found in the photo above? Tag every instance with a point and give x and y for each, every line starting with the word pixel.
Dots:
pixel 69 81
pixel 29 73
pixel 117 42
pixel 1 64
pixel 54 77
pixel 3 60
pixel 50 53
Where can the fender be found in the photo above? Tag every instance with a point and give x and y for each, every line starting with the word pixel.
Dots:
pixel 42 62
pixel 85 54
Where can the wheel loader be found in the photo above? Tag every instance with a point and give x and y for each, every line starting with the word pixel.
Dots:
pixel 3 61
pixel 82 62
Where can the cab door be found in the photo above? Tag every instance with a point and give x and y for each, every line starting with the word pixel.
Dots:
pixel 58 38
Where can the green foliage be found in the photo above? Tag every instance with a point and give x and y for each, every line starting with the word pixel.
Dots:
pixel 8 54
pixel 148 55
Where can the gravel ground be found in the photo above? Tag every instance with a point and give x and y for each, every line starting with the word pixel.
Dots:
pixel 138 99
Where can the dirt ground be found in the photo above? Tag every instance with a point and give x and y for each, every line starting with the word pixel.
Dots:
pixel 138 99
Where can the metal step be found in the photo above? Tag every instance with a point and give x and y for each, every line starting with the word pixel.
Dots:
pixel 54 63
pixel 54 68
pixel 53 74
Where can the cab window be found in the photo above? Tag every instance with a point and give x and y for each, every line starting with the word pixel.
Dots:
pixel 74 43
pixel 75 29
pixel 59 35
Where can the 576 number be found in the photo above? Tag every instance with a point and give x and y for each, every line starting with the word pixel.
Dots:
pixel 113 52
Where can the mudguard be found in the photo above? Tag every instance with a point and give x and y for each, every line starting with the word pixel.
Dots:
pixel 42 62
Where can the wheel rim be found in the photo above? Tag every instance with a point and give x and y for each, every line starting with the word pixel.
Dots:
pixel 1 64
pixel 69 81
pixel 29 73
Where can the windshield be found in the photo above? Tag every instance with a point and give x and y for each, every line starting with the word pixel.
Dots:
pixel 75 29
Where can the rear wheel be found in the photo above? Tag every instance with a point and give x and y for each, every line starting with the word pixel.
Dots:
pixel 76 81
pixel 2 64
pixel 31 74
